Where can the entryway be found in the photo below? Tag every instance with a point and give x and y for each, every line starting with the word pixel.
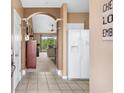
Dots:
pixel 43 77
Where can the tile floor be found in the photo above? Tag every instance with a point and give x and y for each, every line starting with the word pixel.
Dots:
pixel 45 80
pixel 48 82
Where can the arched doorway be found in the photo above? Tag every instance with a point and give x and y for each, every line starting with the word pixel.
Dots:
pixel 44 25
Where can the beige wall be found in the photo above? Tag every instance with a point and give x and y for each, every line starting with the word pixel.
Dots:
pixel 64 38
pixel 59 43
pixel 79 18
pixel 101 52
pixel 37 37
pixel 23 47
pixel 52 11
pixel 16 4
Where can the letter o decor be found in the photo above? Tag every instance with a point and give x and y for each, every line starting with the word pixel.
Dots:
pixel 107 23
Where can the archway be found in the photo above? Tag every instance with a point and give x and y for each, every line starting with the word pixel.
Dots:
pixel 37 13
pixel 38 25
pixel 58 32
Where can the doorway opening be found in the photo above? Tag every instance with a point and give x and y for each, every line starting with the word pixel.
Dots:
pixel 48 45
pixel 46 58
pixel 44 31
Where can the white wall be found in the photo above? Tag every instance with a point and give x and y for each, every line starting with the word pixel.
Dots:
pixel 42 23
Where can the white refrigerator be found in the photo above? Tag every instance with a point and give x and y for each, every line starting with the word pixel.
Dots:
pixel 78 53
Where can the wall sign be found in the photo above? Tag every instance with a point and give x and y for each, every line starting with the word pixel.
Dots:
pixel 107 25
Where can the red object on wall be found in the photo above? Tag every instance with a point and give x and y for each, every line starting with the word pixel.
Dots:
pixel 31 54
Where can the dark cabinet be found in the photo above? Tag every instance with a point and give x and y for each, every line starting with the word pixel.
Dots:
pixel 31 48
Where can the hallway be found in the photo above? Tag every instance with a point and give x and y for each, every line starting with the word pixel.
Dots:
pixel 44 64
pixel 45 80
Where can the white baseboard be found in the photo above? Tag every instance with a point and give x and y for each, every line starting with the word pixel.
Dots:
pixel 23 72
pixel 59 72
pixel 65 77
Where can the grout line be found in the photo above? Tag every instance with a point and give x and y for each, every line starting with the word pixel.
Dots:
pixel 70 87
pixel 37 82
pixel 78 85
pixel 58 85
pixel 81 88
pixel 47 82
pixel 27 85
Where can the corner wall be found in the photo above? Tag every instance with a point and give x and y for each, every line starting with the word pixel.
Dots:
pixel 64 39
pixel 101 52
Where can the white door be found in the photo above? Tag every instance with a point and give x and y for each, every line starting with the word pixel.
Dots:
pixel 84 54
pixel 74 54
pixel 17 49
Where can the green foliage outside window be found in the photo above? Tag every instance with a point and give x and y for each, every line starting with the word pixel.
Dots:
pixel 47 42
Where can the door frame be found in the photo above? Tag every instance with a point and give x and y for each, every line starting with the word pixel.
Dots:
pixel 18 20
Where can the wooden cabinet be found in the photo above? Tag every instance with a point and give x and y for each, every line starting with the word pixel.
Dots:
pixel 31 54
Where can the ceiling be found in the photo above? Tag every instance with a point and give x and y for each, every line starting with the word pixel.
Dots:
pixel 73 5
